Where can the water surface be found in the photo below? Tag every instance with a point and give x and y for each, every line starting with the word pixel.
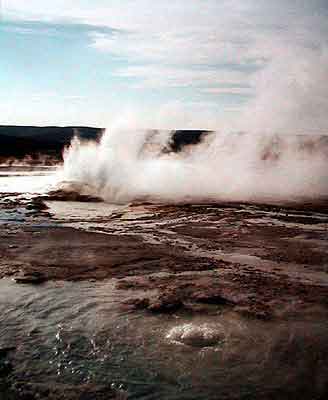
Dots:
pixel 79 332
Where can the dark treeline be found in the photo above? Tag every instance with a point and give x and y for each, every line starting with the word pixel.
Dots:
pixel 22 141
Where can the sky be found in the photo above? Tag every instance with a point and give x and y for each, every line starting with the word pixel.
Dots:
pixel 173 63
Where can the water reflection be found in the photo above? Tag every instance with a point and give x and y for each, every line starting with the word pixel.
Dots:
pixel 24 179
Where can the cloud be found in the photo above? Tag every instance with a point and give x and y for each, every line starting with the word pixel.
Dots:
pixel 241 91
pixel 159 76
pixel 271 53
pixel 41 97
pixel 174 47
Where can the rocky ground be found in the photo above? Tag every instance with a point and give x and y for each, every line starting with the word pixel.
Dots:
pixel 263 261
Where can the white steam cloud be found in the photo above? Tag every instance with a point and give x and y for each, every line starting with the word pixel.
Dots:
pixel 291 93
pixel 129 165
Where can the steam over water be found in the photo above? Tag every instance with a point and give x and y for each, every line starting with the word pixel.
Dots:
pixel 132 165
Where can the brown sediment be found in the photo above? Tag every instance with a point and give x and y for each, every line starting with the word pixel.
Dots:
pixel 72 195
pixel 259 261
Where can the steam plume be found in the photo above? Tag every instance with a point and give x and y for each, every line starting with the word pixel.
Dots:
pixel 281 157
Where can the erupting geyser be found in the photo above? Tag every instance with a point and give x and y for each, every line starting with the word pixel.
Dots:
pixel 130 165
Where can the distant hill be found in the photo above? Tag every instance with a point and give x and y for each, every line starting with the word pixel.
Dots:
pixel 39 142
pixel 52 132
pixel 22 141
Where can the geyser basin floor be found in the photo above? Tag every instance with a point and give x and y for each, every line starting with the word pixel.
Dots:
pixel 258 274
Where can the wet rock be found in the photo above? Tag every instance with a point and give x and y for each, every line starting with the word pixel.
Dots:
pixel 201 308
pixel 33 277
pixel 72 195
pixel 137 303
pixel 37 205
pixel 166 302
pixel 128 284
pixel 210 298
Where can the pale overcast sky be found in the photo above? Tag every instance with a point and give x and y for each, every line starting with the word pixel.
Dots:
pixel 176 64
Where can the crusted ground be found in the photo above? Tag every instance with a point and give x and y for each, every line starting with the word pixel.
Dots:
pixel 263 261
